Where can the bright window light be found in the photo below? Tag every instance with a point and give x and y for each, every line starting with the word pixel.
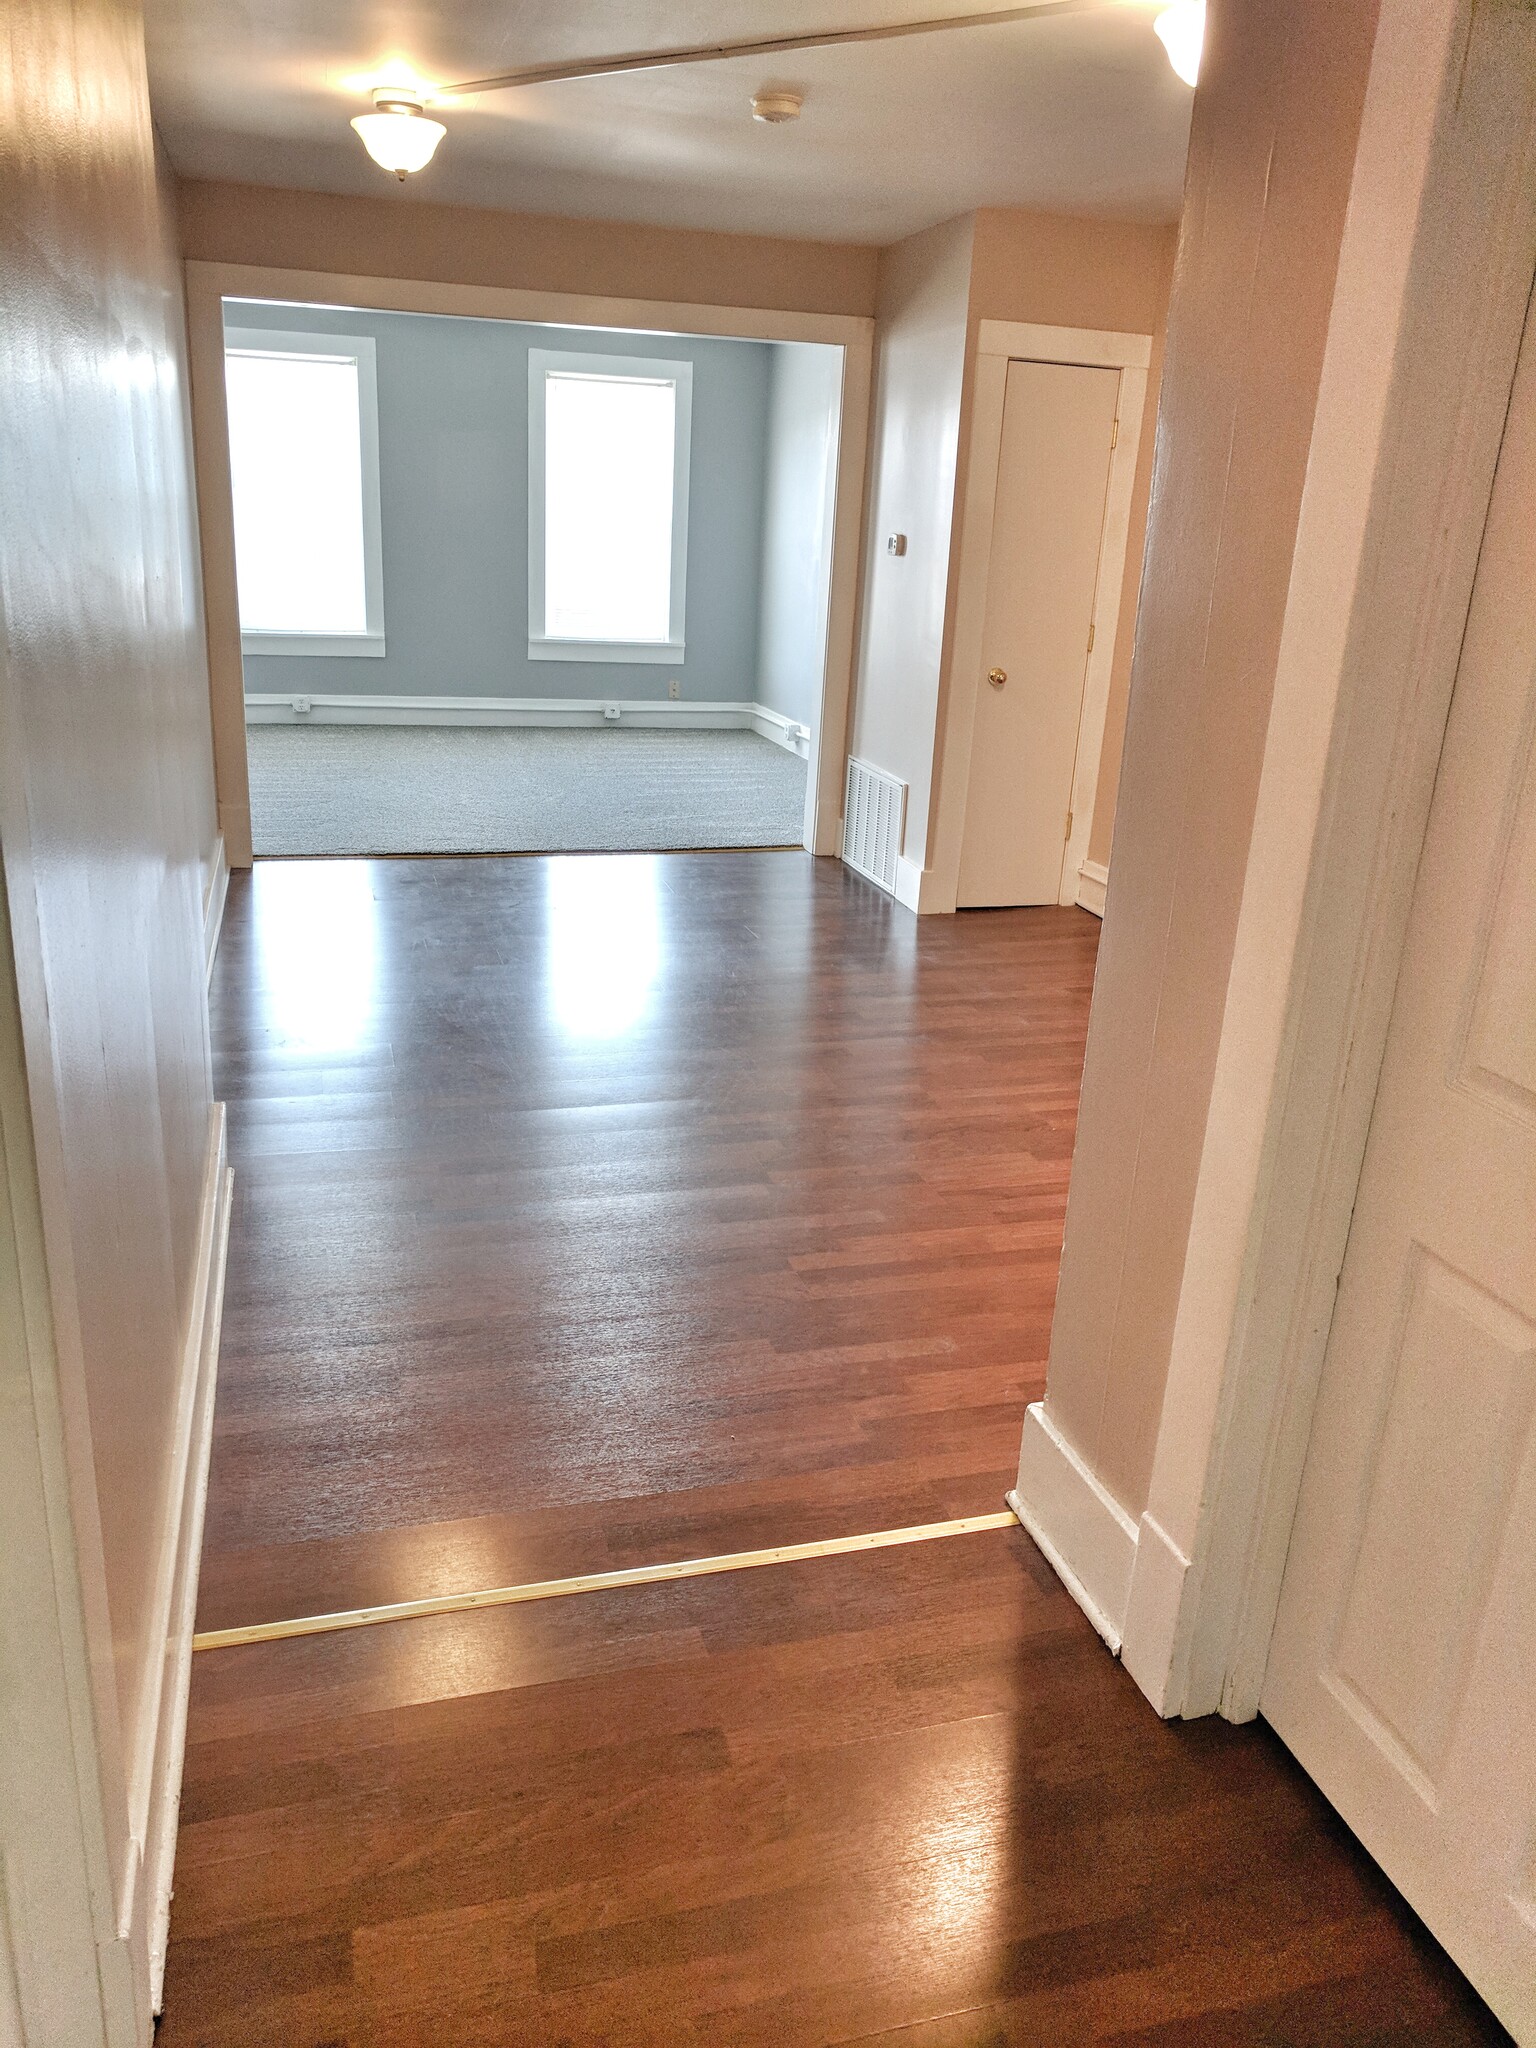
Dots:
pixel 607 507
pixel 303 470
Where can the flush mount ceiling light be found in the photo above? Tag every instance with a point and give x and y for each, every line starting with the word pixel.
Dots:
pixel 777 106
pixel 397 134
pixel 1182 30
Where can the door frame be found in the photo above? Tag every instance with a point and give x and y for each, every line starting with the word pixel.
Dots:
pixel 209 284
pixel 998 343
pixel 1434 281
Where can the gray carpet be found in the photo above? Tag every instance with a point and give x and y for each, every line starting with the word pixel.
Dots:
pixel 517 789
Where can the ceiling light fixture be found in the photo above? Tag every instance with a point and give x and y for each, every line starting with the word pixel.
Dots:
pixel 777 106
pixel 397 134
pixel 1181 28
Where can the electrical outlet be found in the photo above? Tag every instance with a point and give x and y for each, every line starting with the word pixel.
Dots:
pixel 674 689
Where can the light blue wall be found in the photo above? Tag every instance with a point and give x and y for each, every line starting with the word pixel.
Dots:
pixel 453 478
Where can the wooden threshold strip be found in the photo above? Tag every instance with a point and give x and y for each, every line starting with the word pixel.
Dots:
pixel 596 1582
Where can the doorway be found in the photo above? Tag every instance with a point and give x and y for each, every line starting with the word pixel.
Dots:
pixel 1040 609
pixel 1402 1670
pixel 483 714
pixel 508 588
pixel 1058 439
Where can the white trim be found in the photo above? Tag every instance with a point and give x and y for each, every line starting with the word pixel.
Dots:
pixel 788 733
pixel 214 897
pixel 304 646
pixel 1096 348
pixel 360 349
pixel 543 363
pixel 202 1369
pixel 154 1767
pixel 1001 342
pixel 272 707
pixel 658 653
pixel 263 283
pixel 1084 1532
pixel 909 883
pixel 1092 885
pixel 1433 279
pixel 1159 1577
pixel 208 284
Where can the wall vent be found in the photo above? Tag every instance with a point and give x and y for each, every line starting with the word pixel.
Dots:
pixel 874 809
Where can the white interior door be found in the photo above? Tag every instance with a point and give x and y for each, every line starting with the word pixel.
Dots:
pixel 1048 527
pixel 1402 1671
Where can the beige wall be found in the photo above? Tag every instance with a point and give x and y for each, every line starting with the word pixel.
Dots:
pixel 399 236
pixel 1101 837
pixel 1275 125
pixel 106 792
pixel 935 289
pixel 921 327
pixel 1059 271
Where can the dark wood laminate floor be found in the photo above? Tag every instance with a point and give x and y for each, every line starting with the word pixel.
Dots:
pixel 589 1215
pixel 591 1211
pixel 904 1796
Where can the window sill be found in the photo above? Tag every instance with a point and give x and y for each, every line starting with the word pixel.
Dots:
pixel 367 645
pixel 668 651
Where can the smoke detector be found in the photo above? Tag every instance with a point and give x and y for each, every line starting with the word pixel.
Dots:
pixel 777 106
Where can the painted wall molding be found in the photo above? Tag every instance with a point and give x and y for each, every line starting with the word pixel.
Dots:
pixel 1085 1534
pixel 345 708
pixel 154 1776
pixel 1092 882
pixel 215 894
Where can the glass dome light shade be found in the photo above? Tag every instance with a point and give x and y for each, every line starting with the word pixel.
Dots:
pixel 399 136
pixel 1181 29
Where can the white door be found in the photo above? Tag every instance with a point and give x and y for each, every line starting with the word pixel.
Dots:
pixel 1048 526
pixel 1402 1671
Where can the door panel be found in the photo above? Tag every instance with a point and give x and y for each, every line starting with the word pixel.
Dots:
pixel 1403 1666
pixel 1048 522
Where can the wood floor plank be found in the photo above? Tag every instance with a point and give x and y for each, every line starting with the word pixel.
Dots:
pixel 556 1254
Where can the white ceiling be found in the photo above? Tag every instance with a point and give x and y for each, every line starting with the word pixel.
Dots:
pixel 1078 113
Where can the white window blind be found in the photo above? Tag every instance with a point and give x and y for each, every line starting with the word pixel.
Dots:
pixel 608 442
pixel 303 442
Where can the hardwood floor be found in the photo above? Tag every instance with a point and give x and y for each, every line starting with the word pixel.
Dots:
pixel 591 1211
pixel 594 1213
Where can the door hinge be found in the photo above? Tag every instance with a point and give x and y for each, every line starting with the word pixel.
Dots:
pixel 1068 833
pixel 1114 435
pixel 1090 639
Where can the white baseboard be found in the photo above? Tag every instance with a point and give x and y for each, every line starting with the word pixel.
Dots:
pixel 909 883
pixel 1087 1536
pixel 788 733
pixel 214 896
pixel 1092 883
pixel 1153 1651
pixel 269 708
pixel 155 1776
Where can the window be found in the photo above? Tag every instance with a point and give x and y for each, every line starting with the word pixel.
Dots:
pixel 304 472
pixel 607 506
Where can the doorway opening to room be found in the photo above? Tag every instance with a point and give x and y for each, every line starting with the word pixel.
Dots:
pixel 505 586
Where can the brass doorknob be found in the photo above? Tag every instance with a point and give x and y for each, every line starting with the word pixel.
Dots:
pixel 997 677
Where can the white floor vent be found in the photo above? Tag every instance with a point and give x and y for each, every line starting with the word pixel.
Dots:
pixel 874 807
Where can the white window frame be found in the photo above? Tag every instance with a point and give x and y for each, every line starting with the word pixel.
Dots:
pixel 541 645
pixel 360 349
